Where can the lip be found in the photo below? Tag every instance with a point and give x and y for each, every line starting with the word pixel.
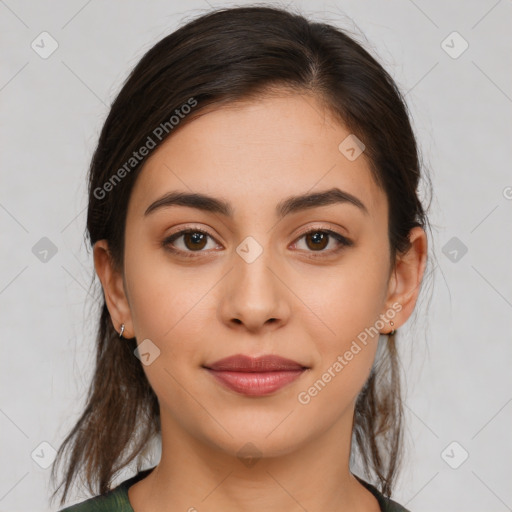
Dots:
pixel 265 363
pixel 255 376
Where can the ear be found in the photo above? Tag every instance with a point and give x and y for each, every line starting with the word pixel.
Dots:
pixel 113 288
pixel 406 277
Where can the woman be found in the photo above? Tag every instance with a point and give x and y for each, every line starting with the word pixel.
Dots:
pixel 257 232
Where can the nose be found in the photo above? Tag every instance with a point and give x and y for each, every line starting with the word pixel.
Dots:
pixel 254 295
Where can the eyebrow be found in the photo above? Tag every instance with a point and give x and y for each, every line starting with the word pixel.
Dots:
pixel 290 205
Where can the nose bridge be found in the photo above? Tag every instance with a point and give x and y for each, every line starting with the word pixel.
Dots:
pixel 254 293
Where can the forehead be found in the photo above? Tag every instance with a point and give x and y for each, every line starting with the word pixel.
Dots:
pixel 255 152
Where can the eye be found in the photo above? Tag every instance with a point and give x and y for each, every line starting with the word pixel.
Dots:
pixel 316 240
pixel 194 240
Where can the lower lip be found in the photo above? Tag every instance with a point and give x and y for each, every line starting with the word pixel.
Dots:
pixel 256 384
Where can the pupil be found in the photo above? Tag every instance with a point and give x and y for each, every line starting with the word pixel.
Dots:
pixel 196 239
pixel 318 238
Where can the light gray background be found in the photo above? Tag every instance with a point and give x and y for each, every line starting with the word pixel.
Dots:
pixel 456 354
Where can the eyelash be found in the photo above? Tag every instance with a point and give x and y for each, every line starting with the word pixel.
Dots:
pixel 343 241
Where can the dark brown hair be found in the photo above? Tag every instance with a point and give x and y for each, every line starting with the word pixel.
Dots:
pixel 226 55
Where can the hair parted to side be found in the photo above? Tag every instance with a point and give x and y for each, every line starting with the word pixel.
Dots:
pixel 226 55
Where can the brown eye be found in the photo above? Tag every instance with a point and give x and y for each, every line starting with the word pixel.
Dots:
pixel 187 241
pixel 317 240
pixel 194 240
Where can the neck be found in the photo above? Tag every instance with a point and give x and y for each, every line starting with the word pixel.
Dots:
pixel 192 475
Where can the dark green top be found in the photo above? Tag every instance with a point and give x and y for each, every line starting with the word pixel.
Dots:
pixel 116 500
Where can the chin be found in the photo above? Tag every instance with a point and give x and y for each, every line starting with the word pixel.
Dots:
pixel 255 439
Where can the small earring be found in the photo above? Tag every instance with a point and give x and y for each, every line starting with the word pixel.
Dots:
pixel 121 332
pixel 394 330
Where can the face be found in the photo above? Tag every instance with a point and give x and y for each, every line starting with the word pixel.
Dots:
pixel 258 271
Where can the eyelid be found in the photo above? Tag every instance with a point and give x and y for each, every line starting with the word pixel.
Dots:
pixel 320 227
pixel 191 228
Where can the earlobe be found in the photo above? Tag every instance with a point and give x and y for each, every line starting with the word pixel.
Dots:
pixel 407 276
pixel 112 283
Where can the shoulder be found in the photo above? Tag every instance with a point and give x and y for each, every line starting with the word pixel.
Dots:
pixel 386 504
pixel 115 500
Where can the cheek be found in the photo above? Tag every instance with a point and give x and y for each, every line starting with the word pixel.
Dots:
pixel 155 290
pixel 169 305
pixel 344 300
pixel 347 303
pixel 167 309
pixel 333 390
pixel 346 344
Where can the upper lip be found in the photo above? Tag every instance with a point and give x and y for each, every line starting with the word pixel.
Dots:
pixel 265 363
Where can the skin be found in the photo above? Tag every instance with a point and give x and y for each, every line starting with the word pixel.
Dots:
pixel 254 154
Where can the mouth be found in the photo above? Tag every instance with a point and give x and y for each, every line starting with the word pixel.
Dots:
pixel 255 376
